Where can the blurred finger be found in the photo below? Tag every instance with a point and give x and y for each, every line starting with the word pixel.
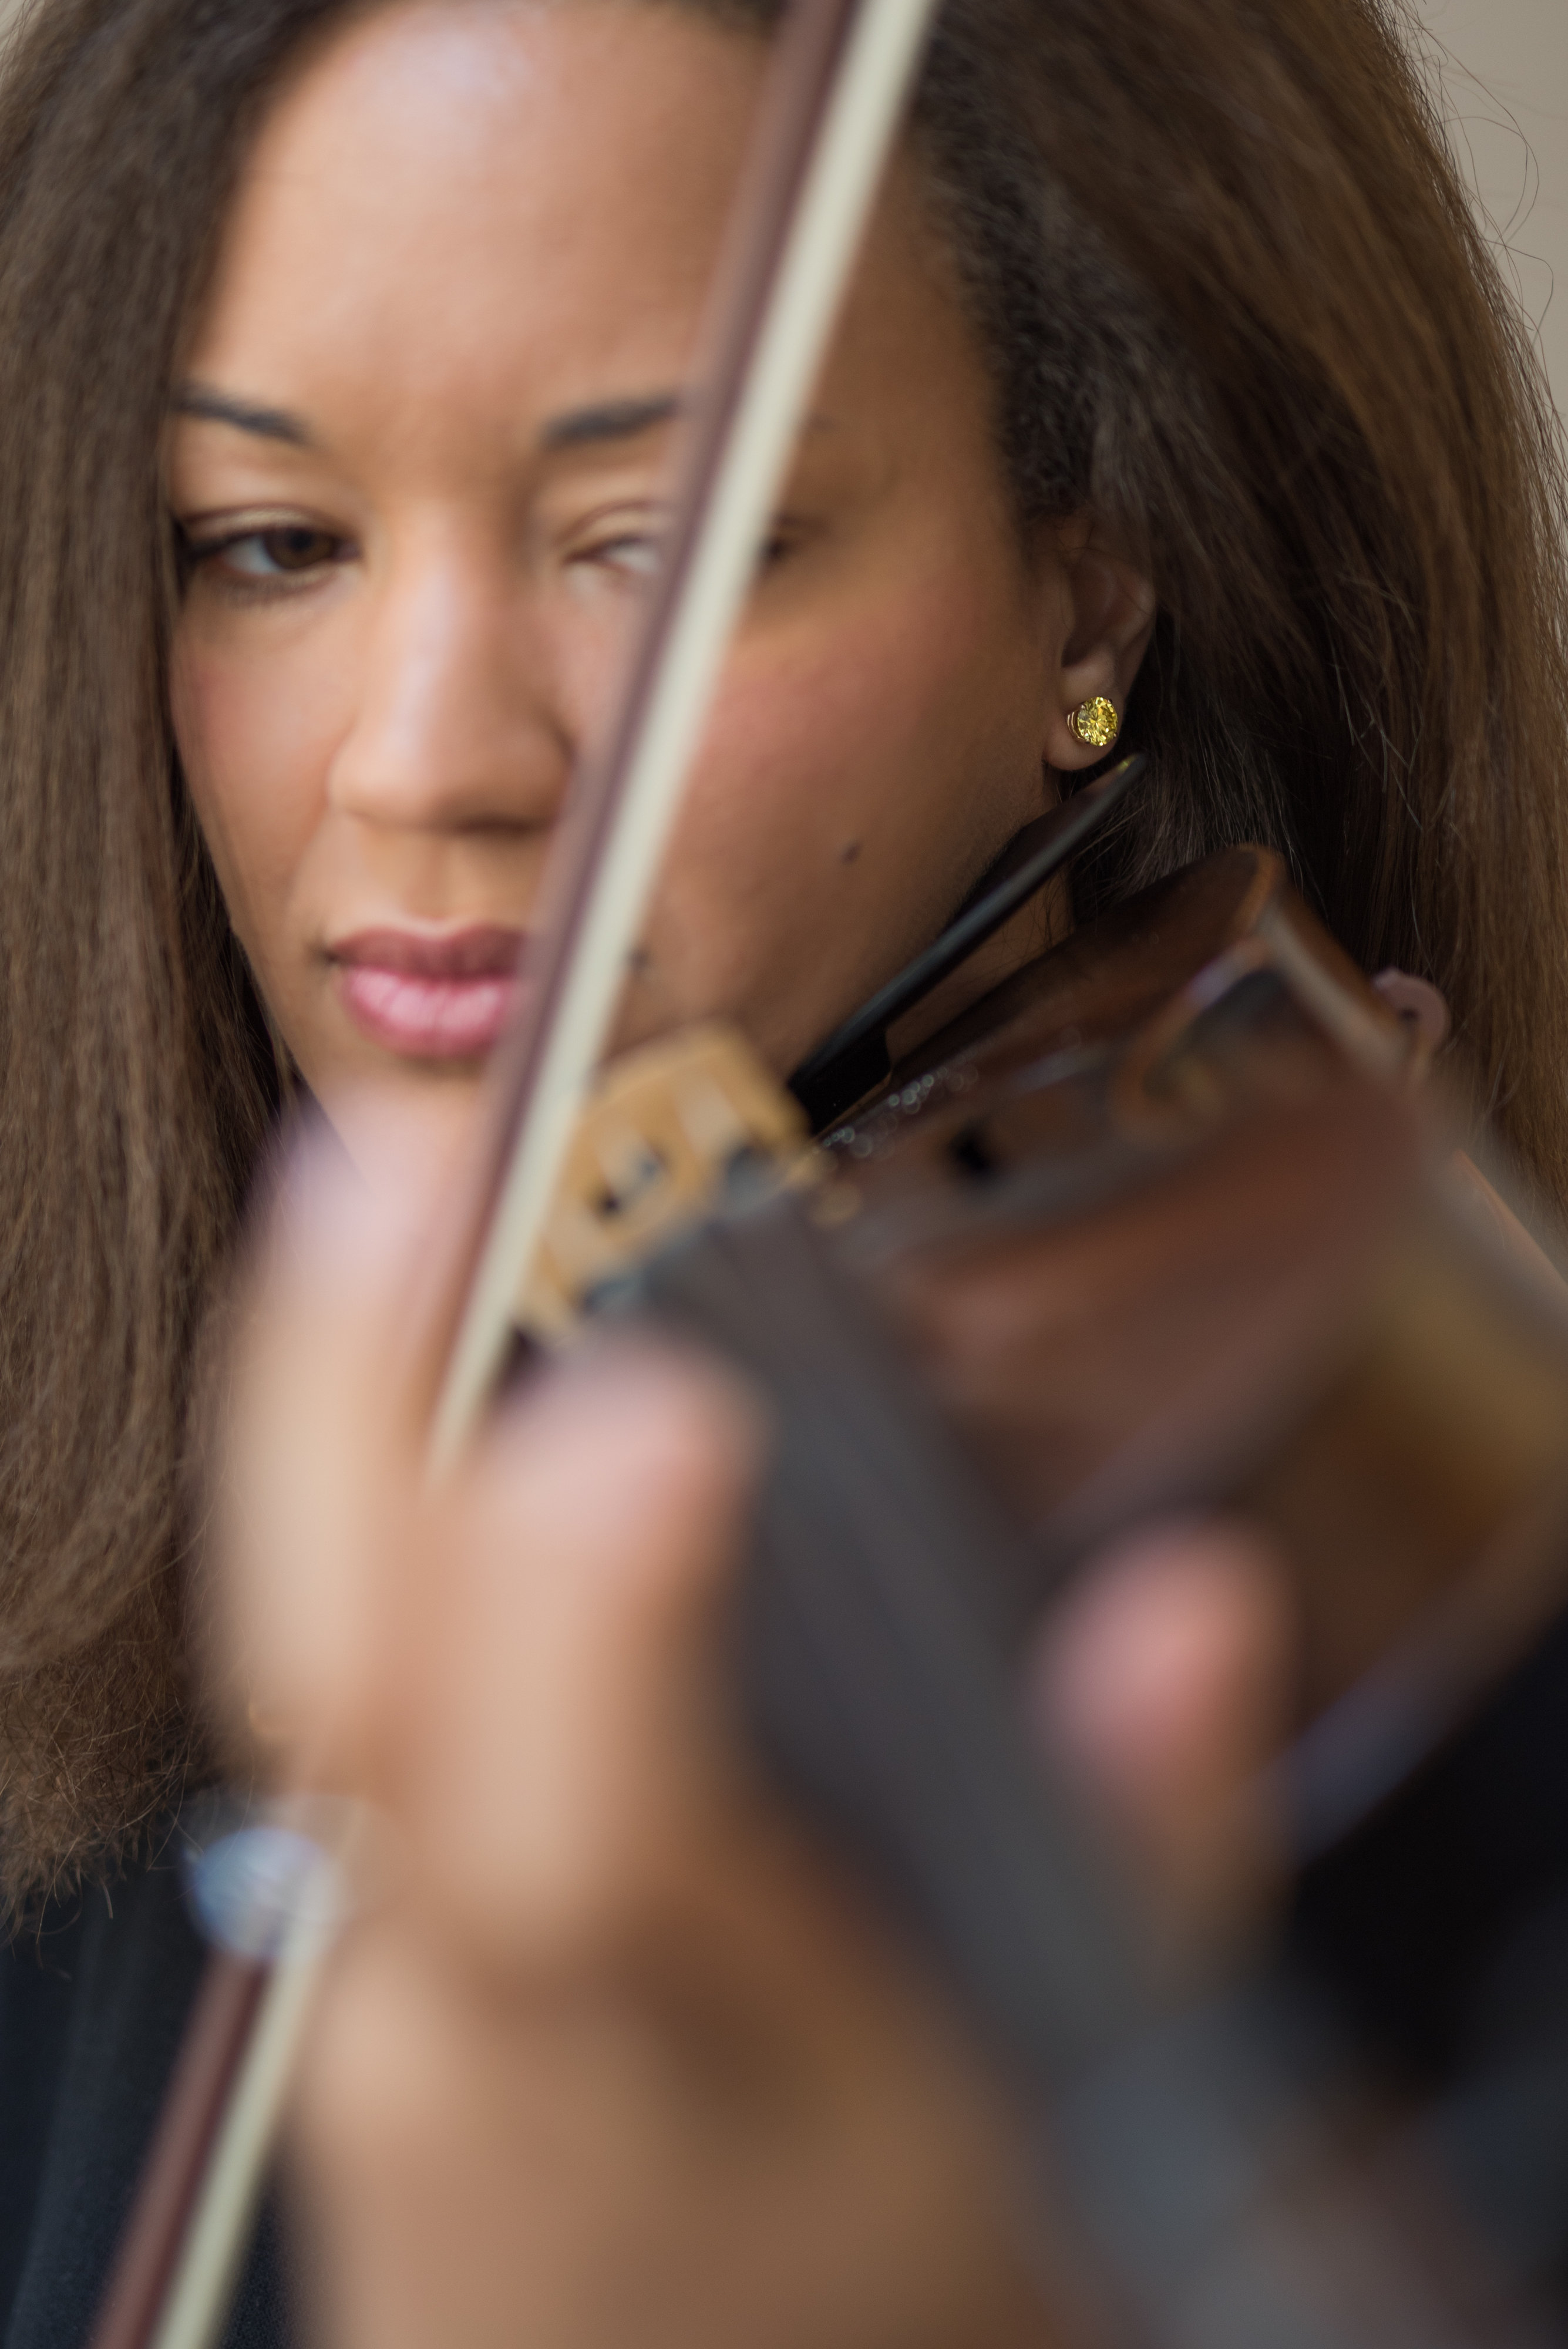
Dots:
pixel 572 1735
pixel 318 1452
pixel 1165 1681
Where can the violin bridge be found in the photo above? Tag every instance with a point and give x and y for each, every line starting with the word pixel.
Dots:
pixel 660 1140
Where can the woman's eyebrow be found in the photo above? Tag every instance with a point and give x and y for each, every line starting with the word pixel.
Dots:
pixel 611 420
pixel 623 420
pixel 215 406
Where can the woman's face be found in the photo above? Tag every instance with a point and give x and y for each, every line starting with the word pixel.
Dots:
pixel 419 456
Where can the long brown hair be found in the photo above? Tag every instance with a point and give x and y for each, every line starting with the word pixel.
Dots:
pixel 1235 301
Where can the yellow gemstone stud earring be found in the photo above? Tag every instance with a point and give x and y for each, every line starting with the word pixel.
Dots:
pixel 1095 722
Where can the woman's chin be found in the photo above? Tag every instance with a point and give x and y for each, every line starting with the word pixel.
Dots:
pixel 406 1112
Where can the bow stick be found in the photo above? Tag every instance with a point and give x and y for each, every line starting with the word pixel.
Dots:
pixel 831 110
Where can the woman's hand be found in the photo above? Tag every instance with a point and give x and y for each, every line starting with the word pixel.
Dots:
pixel 617 2054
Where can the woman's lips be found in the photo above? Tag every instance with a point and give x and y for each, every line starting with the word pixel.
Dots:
pixel 431 998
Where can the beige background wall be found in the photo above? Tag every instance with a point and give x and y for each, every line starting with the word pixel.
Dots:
pixel 1503 67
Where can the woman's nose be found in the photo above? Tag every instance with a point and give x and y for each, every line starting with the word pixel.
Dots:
pixel 456 724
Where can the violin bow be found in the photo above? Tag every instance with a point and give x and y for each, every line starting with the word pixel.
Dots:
pixel 832 106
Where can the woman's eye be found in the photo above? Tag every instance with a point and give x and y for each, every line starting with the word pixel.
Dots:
pixel 285 552
pixel 295 548
pixel 637 555
pixel 634 553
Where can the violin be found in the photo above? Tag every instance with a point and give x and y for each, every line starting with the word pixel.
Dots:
pixel 1164 1223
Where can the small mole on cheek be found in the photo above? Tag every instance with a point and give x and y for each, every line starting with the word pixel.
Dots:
pixel 639 960
pixel 849 852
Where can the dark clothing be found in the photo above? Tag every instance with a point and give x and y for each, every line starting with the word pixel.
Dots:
pixel 91 2009
pixel 1440 1930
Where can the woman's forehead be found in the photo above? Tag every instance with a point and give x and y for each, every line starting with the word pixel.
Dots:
pixel 487 171
pixel 509 209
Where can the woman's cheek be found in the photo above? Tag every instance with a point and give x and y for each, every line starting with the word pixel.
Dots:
pixel 777 812
pixel 256 751
pixel 816 848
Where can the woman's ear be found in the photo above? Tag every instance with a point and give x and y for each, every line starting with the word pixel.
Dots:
pixel 1107 617
pixel 1419 1004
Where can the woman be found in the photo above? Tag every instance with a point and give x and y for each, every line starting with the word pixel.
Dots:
pixel 1174 373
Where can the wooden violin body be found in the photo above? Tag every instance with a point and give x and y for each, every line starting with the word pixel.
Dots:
pixel 1163 1224
pixel 1168 1222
